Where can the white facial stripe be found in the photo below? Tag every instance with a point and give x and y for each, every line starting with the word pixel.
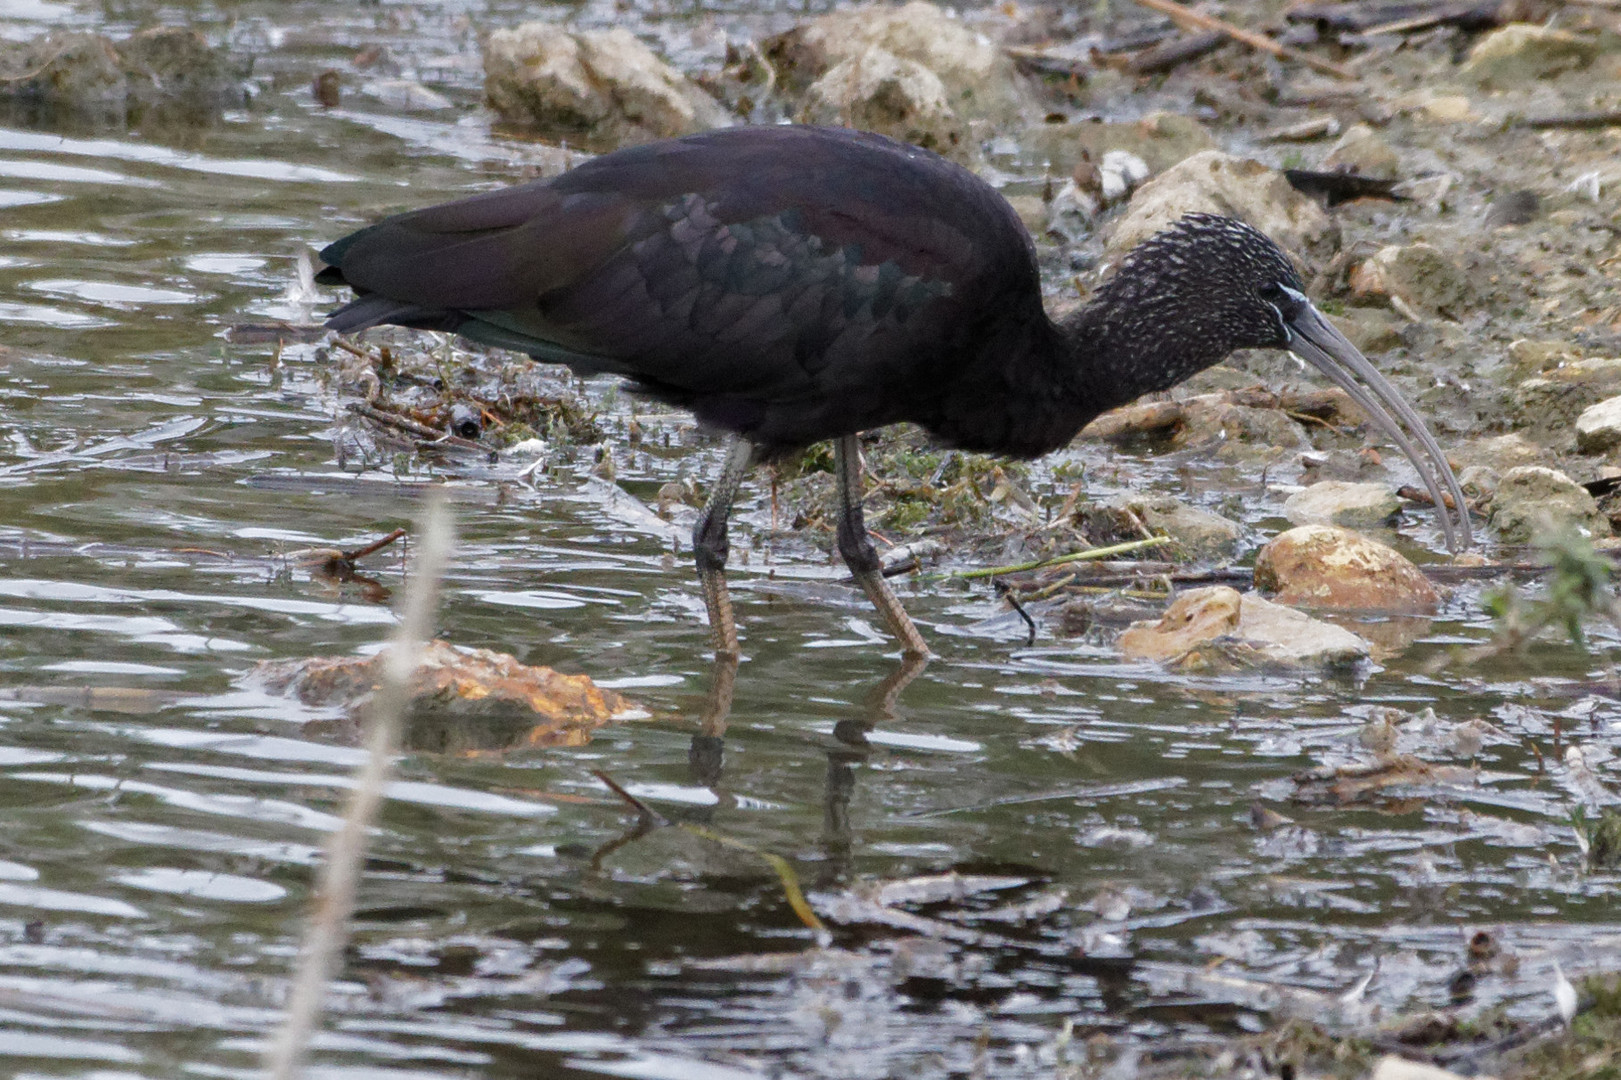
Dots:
pixel 1283 323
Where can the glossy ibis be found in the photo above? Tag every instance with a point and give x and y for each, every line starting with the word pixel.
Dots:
pixel 794 284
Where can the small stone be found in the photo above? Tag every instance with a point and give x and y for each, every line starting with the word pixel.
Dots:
pixel 1379 734
pixel 1513 208
pixel 1598 428
pixel 1338 502
pixel 461 699
pixel 1519 52
pixel 1216 183
pixel 1219 628
pixel 1209 420
pixel 1447 108
pixel 604 83
pixel 1420 275
pixel 1362 151
pixel 1120 174
pixel 1197 532
pixel 92 75
pixel 1371 330
pixel 1550 403
pixel 1478 482
pixel 1499 453
pixel 978 79
pixel 1531 500
pixel 1326 566
pixel 878 91
pixel 1531 356
pixel 407 94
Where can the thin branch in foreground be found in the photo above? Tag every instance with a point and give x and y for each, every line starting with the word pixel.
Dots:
pixel 328 925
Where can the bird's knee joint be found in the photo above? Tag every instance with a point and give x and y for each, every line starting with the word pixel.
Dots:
pixel 859 554
pixel 709 549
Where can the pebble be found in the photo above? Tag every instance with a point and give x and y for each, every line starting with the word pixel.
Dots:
pixel 1598 428
pixel 1341 502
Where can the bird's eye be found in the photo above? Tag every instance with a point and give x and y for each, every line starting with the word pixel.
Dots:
pixel 1288 301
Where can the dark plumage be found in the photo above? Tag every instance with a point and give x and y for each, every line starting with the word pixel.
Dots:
pixel 794 284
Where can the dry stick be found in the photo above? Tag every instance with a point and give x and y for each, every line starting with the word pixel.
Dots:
pixel 1198 20
pixel 1075 556
pixel 1578 121
pixel 373 547
pixel 346 849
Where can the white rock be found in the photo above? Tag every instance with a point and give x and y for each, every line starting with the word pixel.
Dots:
pixel 1120 174
pixel 1341 502
pixel 1598 428
pixel 406 94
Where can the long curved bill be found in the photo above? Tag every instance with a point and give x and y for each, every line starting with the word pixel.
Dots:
pixel 1314 339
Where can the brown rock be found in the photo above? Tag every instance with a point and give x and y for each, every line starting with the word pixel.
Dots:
pixel 453 681
pixel 1325 566
pixel 601 83
pixel 1550 403
pixel 1217 628
pixel 1499 453
pixel 1194 617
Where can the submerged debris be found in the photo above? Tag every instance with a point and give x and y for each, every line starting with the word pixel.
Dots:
pixel 1362 782
pixel 165 72
pixel 457 682
pixel 456 399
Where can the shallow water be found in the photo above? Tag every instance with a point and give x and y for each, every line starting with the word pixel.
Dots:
pixel 162 816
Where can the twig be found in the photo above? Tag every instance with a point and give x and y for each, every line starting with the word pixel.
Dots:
pixel 1171 54
pixel 1039 62
pixel 411 427
pixel 373 547
pixel 1074 556
pixel 1198 20
pixel 328 925
pixel 1005 591
pixel 1578 120
pixel 647 812
pixel 1424 498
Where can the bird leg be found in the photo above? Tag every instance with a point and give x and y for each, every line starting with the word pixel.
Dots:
pixel 858 551
pixel 707 754
pixel 709 545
